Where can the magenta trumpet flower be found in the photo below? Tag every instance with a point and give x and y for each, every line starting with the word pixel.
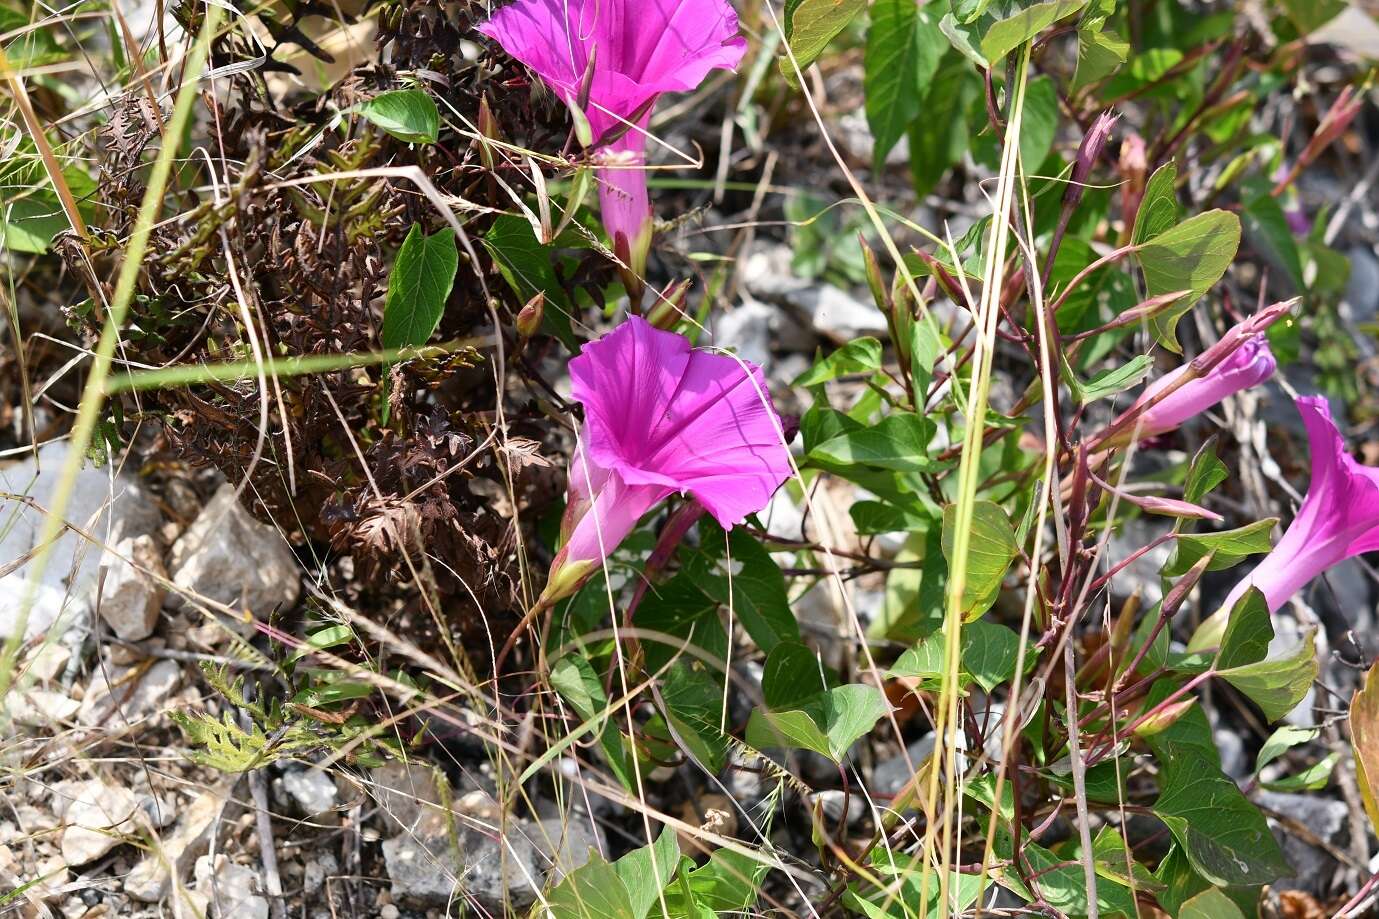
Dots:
pixel 1339 518
pixel 661 418
pixel 1251 364
pixel 624 54
pixel 1241 359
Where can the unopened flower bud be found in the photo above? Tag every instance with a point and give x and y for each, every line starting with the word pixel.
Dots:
pixel 1087 155
pixel 669 306
pixel 529 319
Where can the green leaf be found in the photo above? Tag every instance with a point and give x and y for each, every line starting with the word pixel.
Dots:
pixel 1191 256
pixel 900 442
pixel 904 46
pixel 1005 35
pixel 1062 884
pixel 1230 546
pixel 593 891
pixel 829 723
pixel 645 872
pixel 758 592
pixel 529 269
pixel 810 25
pixel 1313 778
pixel 991 550
pixel 1117 379
pixel 862 355
pixel 1278 684
pixel 872 517
pixel 1040 122
pixel 1224 836
pixel 792 676
pixel 418 287
pixel 1210 904
pixel 940 138
pixel 1206 472
pixel 1159 207
pixel 1248 632
pixel 1100 52
pixel 1310 15
pixel 988 656
pixel 574 678
pixel 408 114
pixel 329 637
pixel 1267 229
pixel 694 707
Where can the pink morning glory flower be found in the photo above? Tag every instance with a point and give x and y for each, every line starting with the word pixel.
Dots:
pixel 629 52
pixel 1241 359
pixel 1339 518
pixel 1251 364
pixel 661 418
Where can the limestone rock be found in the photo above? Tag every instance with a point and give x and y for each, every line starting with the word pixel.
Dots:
pixel 229 557
pixel 151 878
pixel 232 891
pixel 131 594
pixel 129 694
pixel 429 867
pixel 313 792
pixel 96 818
pixel 102 508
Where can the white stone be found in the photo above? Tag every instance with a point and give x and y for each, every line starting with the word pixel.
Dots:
pixel 312 790
pixel 126 695
pixel 42 708
pixel 232 891
pixel 41 608
pixel 151 878
pixel 431 867
pixel 96 818
pixel 229 557
pixel 103 508
pixel 131 595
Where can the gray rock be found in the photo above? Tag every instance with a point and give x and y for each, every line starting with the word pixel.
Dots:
pixel 404 792
pixel 1143 573
pixel 748 329
pixel 317 871
pixel 565 844
pixel 832 802
pixel 431 867
pixel 1361 300
pixel 890 775
pixel 1327 818
pixel 37 608
pixel 96 818
pixel 313 792
pixel 837 314
pixel 131 595
pixel 105 509
pixel 229 557
pixel 175 854
pixel 231 891
pixel 125 695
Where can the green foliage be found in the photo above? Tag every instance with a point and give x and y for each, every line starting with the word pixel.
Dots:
pixel 408 114
pixel 418 287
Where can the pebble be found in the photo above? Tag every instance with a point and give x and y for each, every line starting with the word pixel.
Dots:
pixel 231 890
pixel 125 695
pixel 151 878
pixel 96 817
pixel 131 594
pixel 229 557
pixel 313 792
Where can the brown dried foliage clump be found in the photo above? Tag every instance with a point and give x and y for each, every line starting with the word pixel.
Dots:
pixel 260 249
